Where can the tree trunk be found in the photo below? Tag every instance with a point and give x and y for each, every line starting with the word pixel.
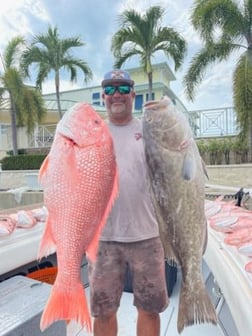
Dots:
pixel 150 85
pixel 13 126
pixel 58 94
pixel 250 144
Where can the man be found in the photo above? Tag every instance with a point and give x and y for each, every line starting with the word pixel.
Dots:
pixel 130 237
pixel 239 195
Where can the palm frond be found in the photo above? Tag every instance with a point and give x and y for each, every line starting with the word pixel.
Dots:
pixel 206 16
pixel 32 102
pixel 72 65
pixel 12 50
pixel 211 53
pixel 124 57
pixel 242 91
pixel 50 53
pixel 141 35
pixel 173 45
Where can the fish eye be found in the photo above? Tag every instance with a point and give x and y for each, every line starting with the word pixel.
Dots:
pixel 96 122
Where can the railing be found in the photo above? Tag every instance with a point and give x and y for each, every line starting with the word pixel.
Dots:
pixel 42 136
pixel 51 104
pixel 204 123
pixel 213 122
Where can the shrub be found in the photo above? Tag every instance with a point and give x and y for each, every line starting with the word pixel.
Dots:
pixel 20 152
pixel 214 151
pixel 240 149
pixel 22 162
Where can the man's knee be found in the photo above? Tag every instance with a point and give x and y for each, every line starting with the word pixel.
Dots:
pixel 105 325
pixel 148 315
pixel 106 318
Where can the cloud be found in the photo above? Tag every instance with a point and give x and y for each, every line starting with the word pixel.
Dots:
pixel 15 17
pixel 95 22
pixel 65 85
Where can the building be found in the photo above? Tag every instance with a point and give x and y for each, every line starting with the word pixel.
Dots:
pixel 162 77
pixel 43 134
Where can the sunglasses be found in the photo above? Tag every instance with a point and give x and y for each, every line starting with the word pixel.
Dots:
pixel 122 89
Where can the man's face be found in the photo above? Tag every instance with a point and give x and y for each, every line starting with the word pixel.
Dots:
pixel 119 105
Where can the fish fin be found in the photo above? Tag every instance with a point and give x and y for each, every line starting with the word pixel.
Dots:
pixel 204 168
pixel 164 236
pixel 66 305
pixel 168 251
pixel 43 168
pixel 70 166
pixel 47 244
pixel 205 238
pixel 189 167
pixel 195 308
pixel 93 246
pixel 91 250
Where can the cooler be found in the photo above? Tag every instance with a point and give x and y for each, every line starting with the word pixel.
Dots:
pixel 22 301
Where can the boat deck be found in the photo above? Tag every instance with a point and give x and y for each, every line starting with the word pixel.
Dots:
pixel 229 286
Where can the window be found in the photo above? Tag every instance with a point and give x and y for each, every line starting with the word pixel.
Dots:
pixel 3 132
pixel 96 98
pixel 152 97
pixel 3 129
pixel 96 95
pixel 139 102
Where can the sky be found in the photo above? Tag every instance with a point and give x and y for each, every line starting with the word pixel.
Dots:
pixel 95 22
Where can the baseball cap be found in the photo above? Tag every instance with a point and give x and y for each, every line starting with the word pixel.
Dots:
pixel 117 75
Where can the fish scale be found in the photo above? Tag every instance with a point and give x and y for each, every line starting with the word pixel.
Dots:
pixel 80 182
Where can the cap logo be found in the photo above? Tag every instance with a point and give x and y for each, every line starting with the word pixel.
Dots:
pixel 117 74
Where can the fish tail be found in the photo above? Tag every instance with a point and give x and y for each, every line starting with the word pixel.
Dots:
pixel 196 308
pixel 93 246
pixel 66 305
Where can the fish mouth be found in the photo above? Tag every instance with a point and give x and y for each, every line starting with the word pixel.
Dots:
pixel 151 105
pixel 156 104
pixel 68 139
pixel 73 140
pixel 66 134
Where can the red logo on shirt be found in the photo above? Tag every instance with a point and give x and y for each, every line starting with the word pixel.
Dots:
pixel 138 136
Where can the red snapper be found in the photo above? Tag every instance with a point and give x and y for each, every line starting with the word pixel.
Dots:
pixel 80 182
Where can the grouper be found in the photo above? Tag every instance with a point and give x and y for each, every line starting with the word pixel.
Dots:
pixel 177 183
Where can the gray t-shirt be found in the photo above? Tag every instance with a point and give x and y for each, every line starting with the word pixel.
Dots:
pixel 132 217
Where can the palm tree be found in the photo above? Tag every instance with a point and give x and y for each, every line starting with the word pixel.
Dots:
pixel 233 22
pixel 51 53
pixel 26 104
pixel 142 35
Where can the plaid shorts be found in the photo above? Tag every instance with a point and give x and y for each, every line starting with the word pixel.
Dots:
pixel 145 260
